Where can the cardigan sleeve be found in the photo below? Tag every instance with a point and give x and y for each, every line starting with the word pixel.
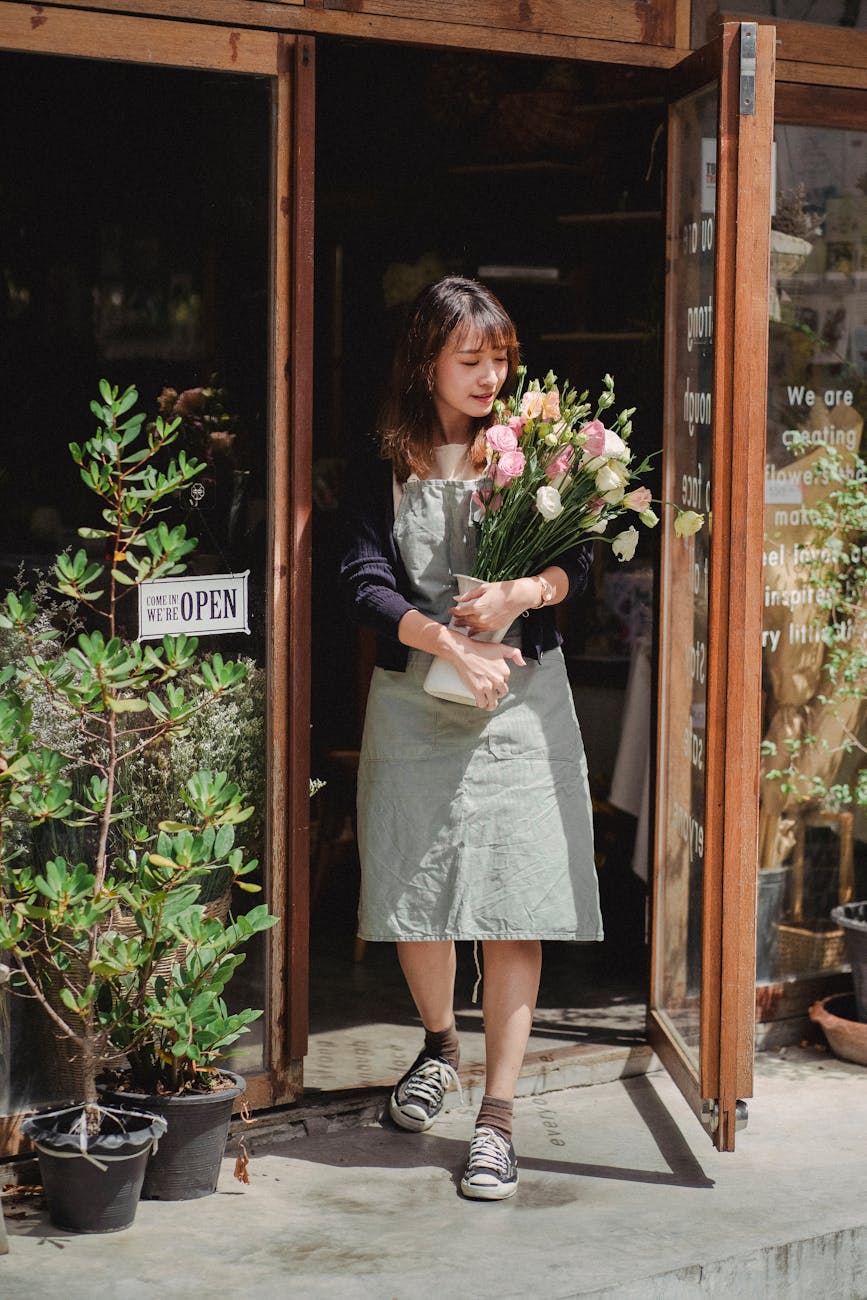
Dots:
pixel 369 562
pixel 576 565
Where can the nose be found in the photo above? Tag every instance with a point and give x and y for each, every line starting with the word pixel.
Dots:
pixel 491 375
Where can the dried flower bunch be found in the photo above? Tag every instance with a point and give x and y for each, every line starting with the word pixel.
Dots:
pixel 793 217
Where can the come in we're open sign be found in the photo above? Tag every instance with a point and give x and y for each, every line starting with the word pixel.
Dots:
pixel 196 606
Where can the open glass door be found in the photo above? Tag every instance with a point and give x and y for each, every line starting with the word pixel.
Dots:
pixel 702 1001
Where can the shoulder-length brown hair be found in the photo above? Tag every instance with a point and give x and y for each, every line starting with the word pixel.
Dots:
pixel 409 418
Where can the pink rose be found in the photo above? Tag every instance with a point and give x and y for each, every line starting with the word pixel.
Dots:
pixel 595 444
pixel 510 465
pixel 531 405
pixel 560 463
pixel 516 424
pixel 551 405
pixel 639 499
pixel 501 438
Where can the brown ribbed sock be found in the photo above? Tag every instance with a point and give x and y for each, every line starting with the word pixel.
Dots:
pixel 443 1043
pixel 497 1114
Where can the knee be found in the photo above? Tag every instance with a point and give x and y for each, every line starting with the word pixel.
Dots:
pixel 512 950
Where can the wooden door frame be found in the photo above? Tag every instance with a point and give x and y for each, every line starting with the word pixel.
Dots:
pixel 288 62
pixel 290 555
pixel 733 721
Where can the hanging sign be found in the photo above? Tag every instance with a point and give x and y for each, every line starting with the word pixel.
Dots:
pixel 214 605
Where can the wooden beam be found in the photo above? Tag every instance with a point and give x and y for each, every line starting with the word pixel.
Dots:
pixel 809 43
pixel 836 107
pixel 648 42
pixel 822 74
pixel 46 29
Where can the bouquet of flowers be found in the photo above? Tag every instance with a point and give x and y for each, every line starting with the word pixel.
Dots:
pixel 556 476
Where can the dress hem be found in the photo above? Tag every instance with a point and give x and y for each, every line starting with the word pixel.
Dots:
pixel 569 937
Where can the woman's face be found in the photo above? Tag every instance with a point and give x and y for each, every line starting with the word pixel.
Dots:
pixel 467 377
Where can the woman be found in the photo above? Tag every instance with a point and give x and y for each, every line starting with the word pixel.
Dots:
pixel 473 823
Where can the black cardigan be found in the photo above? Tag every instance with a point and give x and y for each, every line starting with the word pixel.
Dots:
pixel 376 586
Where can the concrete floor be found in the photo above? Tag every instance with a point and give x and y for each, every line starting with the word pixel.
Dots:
pixel 621 1195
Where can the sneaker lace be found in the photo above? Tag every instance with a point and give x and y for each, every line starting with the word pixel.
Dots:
pixel 431 1080
pixel 488 1150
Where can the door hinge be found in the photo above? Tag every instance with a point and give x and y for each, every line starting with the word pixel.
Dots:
pixel 710 1115
pixel 747 107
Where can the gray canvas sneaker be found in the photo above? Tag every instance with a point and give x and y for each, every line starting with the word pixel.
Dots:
pixel 492 1170
pixel 418 1097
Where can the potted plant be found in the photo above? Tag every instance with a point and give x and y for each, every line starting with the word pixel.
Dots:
pixel 114 944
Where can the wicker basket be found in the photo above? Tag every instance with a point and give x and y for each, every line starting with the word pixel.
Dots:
pixel 218 907
pixel 802 950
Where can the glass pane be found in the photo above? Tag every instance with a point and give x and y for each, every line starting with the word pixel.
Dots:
pixel 684 580
pixel 831 13
pixel 134 246
pixel 812 836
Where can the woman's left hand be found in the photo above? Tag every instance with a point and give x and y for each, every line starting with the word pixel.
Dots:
pixel 493 605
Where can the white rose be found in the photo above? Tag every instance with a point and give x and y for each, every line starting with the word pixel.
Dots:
pixel 625 543
pixel 548 502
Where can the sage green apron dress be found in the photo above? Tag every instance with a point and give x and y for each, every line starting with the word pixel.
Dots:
pixel 471 825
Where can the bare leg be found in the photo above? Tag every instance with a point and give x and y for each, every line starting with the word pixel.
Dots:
pixel 429 970
pixel 512 970
pixel 510 989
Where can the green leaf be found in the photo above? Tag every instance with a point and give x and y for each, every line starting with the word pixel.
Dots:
pixel 126 706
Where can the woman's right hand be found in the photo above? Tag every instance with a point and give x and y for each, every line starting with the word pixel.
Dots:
pixel 484 667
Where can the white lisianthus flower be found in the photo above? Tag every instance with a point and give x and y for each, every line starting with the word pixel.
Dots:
pixel 592 463
pixel 548 502
pixel 649 517
pixel 598 527
pixel 687 522
pixel 625 543
pixel 611 477
pixel 615 447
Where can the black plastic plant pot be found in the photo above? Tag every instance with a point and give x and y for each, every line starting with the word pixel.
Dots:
pixel 852 919
pixel 187 1164
pixel 93 1182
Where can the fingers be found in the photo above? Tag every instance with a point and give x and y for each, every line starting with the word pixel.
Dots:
pixel 490 698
